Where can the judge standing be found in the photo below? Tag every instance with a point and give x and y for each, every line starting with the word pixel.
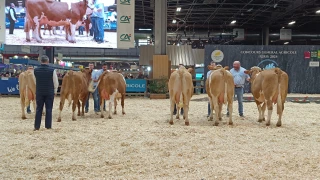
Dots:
pixel 46 87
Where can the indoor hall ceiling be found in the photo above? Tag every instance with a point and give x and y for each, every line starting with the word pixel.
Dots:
pixel 217 15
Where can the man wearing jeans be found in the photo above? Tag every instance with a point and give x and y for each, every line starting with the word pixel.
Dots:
pixel 96 97
pixel 47 86
pixel 239 78
pixel 97 19
pixel 91 66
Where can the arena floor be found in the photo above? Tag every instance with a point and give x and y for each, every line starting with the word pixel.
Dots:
pixel 142 144
pixel 19 38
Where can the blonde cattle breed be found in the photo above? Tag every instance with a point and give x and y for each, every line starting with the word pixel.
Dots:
pixel 267 87
pixel 110 86
pixel 180 90
pixel 27 87
pixel 220 89
pixel 75 88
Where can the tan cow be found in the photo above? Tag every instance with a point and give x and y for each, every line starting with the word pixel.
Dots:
pixel 27 87
pixel 220 89
pixel 110 86
pixel 75 87
pixel 267 87
pixel 180 90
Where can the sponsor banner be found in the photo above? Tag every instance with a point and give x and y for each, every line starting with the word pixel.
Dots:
pixel 9 86
pixel 125 19
pixel 136 85
pixel 2 22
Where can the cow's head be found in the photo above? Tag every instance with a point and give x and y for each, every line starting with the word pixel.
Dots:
pixel 253 72
pixel 87 73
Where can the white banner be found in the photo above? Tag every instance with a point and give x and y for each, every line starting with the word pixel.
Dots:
pixel 125 23
pixel 2 22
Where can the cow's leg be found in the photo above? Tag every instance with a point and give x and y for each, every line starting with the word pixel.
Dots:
pixel 101 105
pixel 36 21
pixel 270 108
pixel 220 110
pixel 122 103
pixel 263 111
pixel 178 111
pixel 115 106
pixel 211 110
pixel 62 99
pixel 186 110
pixel 78 107
pixel 280 106
pixel 22 102
pixel 215 104
pixel 73 33
pixel 172 104
pixel 112 98
pixel 230 108
pixel 260 111
pixel 74 106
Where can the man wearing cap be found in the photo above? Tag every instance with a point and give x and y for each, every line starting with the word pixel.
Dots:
pixel 46 87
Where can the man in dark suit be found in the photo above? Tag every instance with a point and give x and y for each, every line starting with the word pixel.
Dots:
pixel 12 16
pixel 46 87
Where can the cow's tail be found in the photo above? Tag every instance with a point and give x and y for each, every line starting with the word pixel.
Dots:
pixel 73 86
pixel 225 95
pixel 26 97
pixel 279 100
pixel 181 72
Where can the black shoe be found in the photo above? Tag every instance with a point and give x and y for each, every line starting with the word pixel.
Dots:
pixel 241 115
pixel 48 128
pixel 36 129
pixel 86 111
pixel 29 112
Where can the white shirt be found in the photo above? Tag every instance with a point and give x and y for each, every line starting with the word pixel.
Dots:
pixel 55 81
pixel 11 14
pixel 208 73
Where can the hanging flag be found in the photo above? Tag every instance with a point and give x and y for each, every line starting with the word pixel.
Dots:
pixel 307 54
pixel 125 23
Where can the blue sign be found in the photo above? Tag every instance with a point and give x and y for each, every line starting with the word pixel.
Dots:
pixel 136 85
pixel 9 85
pixel 267 64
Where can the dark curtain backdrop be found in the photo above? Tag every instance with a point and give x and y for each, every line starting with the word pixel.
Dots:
pixel 302 78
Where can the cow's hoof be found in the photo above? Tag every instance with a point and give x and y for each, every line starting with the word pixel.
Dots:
pixel 115 112
pixel 78 114
pixel 210 119
pixel 278 124
pixel 109 117
pixel 102 116
pixel 260 120
pixel 268 124
pixel 59 120
pixel 74 119
pixel 171 122
pixel 39 41
pixel 123 113
pixel 220 119
pixel 23 117
pixel 186 123
pixel 72 41
pixel 230 123
pixel 216 124
pixel 184 117
pixel 264 119
pixel 28 40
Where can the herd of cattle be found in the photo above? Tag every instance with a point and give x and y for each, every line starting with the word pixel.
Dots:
pixel 268 87
pixel 51 13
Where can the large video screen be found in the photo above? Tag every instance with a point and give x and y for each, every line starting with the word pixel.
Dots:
pixel 68 23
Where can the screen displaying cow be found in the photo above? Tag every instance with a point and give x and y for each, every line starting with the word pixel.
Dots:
pixel 68 23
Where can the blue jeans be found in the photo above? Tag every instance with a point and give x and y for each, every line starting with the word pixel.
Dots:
pixel 96 101
pixel 239 92
pixel 99 30
pixel 94 27
pixel 42 100
pixel 28 109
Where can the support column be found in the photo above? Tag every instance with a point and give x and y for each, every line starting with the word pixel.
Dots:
pixel 265 36
pixel 160 27
pixel 50 54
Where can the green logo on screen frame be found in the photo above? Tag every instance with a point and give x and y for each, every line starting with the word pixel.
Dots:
pixel 125 2
pixel 125 37
pixel 125 19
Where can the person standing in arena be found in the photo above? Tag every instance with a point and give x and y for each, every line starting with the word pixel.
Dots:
pixel 12 16
pixel 208 74
pixel 239 78
pixel 97 19
pixel 91 66
pixel 96 96
pixel 47 86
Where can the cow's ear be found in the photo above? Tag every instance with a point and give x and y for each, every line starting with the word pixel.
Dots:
pixel 190 70
pixel 226 67
pixel 247 72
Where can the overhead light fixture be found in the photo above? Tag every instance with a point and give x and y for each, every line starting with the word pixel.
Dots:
pixel 275 5
pixel 174 21
pixel 178 9
pixel 234 21
pixel 145 29
pixel 292 22
pixel 282 27
pixel 318 12
pixel 286 43
pixel 249 10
